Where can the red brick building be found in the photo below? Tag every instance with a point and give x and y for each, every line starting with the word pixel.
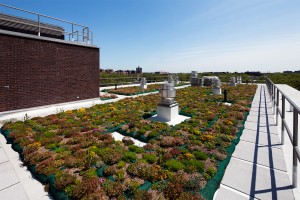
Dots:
pixel 37 71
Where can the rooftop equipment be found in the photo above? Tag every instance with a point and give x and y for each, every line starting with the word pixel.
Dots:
pixel 232 81
pixel 143 83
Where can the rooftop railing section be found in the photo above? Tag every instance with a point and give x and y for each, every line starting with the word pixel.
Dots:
pixel 292 132
pixel 43 25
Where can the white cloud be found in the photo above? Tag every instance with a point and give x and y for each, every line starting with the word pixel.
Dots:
pixel 272 55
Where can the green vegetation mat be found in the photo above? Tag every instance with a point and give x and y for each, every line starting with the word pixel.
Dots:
pixel 75 156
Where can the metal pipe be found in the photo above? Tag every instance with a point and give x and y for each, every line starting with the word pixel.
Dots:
pixel 282 119
pixel 77 34
pixel 41 15
pixel 295 106
pixel 295 147
pixel 291 108
pixel 271 90
pixel 85 35
pixel 72 32
pixel 39 27
pixel 277 106
pixel 289 132
pixel 274 93
pixel 88 34
pixel 53 18
pixel 298 153
pixel 293 137
pixel 279 111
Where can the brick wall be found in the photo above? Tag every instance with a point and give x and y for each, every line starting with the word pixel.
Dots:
pixel 40 72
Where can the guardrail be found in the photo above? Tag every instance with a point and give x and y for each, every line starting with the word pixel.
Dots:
pixel 274 92
pixel 85 35
pixel 132 80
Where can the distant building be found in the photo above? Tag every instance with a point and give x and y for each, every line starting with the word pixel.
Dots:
pixel 287 72
pixel 253 73
pixel 161 72
pixel 121 72
pixel 139 70
pixel 109 71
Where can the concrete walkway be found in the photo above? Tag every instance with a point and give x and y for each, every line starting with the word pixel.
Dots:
pixel 257 169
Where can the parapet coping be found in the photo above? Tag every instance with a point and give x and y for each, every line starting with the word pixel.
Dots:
pixel 47 109
pixel 35 37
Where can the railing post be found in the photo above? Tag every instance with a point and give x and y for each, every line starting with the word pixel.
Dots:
pixel 272 97
pixel 39 25
pixel 282 119
pixel 274 93
pixel 272 88
pixel 88 35
pixel 72 32
pixel 277 106
pixel 295 147
pixel 291 108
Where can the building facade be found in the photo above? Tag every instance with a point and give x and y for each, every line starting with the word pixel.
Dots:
pixel 38 71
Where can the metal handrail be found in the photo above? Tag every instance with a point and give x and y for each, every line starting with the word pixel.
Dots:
pixel 134 77
pixel 89 38
pixel 293 136
pixel 121 80
pixel 126 80
pixel 42 25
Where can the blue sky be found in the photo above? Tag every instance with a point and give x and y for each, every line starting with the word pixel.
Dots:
pixel 185 35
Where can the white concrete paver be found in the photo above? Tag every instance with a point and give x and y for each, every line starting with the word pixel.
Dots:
pixel 173 122
pixel 34 189
pixel 118 137
pixel 262 127
pixel 256 181
pixel 264 139
pixel 3 157
pixel 229 193
pixel 13 193
pixel 246 151
pixel 262 120
pixel 8 176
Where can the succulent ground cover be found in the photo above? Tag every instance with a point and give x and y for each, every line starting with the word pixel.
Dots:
pixel 75 156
